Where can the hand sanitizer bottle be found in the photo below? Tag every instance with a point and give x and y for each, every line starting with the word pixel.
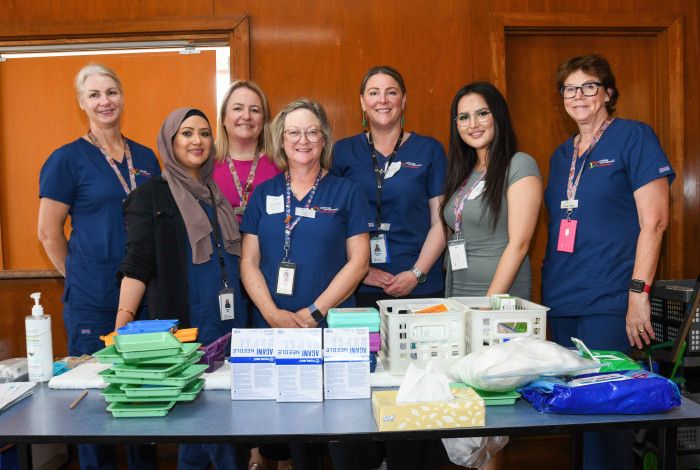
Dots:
pixel 39 346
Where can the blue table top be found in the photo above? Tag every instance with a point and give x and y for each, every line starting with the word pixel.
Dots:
pixel 213 416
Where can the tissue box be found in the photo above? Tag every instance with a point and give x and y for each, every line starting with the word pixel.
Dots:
pixel 466 410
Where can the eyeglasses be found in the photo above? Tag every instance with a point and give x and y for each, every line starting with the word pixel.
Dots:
pixel 588 89
pixel 481 116
pixel 294 135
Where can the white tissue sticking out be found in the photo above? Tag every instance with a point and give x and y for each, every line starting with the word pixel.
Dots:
pixel 424 385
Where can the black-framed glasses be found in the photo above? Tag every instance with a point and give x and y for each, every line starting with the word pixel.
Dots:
pixel 481 116
pixel 294 135
pixel 588 89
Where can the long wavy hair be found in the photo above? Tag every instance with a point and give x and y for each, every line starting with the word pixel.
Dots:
pixel 462 158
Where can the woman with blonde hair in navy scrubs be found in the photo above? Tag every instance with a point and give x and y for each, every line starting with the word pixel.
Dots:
pixel 88 179
pixel 305 242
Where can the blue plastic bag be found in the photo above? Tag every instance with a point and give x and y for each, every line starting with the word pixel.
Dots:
pixel 624 392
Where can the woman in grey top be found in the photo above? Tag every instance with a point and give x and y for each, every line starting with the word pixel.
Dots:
pixel 492 198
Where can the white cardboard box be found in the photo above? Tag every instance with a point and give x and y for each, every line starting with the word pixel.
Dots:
pixel 299 364
pixel 346 363
pixel 253 364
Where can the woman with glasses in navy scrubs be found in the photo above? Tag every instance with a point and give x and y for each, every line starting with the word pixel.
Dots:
pixel 89 179
pixel 183 251
pixel 608 202
pixel 305 243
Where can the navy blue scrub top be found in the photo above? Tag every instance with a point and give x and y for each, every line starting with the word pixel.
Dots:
pixel 78 175
pixel 404 199
pixel 318 245
pixel 204 282
pixel 595 277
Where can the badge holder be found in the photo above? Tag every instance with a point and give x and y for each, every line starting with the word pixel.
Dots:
pixel 379 250
pixel 227 310
pixel 458 253
pixel 567 234
pixel 286 273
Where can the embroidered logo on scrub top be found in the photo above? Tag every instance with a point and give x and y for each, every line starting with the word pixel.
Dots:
pixel 664 169
pixel 137 172
pixel 411 165
pixel 601 163
pixel 328 210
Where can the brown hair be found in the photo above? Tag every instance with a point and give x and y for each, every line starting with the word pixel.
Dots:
pixel 593 65
pixel 386 70
pixel 265 137
pixel 279 157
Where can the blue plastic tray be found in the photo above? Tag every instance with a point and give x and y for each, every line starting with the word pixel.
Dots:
pixel 147 326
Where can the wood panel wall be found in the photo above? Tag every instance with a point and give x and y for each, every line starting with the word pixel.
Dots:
pixel 321 49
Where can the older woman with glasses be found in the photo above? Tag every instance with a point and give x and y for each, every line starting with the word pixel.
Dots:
pixel 608 200
pixel 305 242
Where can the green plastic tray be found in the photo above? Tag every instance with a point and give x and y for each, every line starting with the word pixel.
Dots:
pixel 181 379
pixel 138 391
pixel 108 355
pixel 140 410
pixel 146 342
pixel 115 393
pixel 498 398
pixel 131 356
pixel 153 371
pixel 188 353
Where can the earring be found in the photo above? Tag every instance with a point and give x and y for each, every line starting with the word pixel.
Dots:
pixel 403 120
pixel 364 119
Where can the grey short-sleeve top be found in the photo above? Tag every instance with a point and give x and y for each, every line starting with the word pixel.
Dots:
pixel 484 247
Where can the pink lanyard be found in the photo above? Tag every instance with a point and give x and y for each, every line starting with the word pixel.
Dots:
pixel 462 196
pixel 572 185
pixel 243 192
pixel 110 161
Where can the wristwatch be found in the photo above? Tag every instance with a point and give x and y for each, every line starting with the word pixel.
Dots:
pixel 639 286
pixel 420 275
pixel 316 314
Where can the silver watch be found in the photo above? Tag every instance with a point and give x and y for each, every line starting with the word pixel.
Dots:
pixel 420 275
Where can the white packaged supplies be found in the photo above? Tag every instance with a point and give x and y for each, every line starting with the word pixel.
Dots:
pixel 506 366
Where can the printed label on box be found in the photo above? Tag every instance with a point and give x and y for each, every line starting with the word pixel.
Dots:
pixel 253 364
pixel 346 363
pixel 299 364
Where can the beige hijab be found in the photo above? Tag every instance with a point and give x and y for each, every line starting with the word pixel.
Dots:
pixel 188 192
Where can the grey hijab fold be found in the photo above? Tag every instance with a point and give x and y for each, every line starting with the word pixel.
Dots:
pixel 188 192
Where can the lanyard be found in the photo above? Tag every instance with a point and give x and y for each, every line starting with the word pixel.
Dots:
pixel 243 192
pixel 110 161
pixel 379 173
pixel 217 238
pixel 572 184
pixel 462 196
pixel 288 223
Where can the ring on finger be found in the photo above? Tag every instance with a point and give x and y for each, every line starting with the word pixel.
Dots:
pixel 641 330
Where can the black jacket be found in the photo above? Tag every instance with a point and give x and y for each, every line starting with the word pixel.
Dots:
pixel 155 249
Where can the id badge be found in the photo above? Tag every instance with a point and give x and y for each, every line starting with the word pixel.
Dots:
pixel 226 309
pixel 458 254
pixel 378 249
pixel 286 272
pixel 567 235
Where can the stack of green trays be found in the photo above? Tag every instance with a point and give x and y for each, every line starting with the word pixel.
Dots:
pixel 150 373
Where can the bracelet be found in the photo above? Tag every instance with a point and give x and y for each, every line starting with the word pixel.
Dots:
pixel 122 309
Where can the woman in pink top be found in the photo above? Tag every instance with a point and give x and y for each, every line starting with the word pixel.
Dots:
pixel 242 142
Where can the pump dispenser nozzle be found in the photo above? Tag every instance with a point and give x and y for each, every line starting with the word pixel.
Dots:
pixel 37 309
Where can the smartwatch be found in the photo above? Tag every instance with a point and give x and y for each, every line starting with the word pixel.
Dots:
pixel 639 286
pixel 316 314
pixel 420 275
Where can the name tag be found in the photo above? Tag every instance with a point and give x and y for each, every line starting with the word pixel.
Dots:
pixel 274 204
pixel 569 204
pixel 477 191
pixel 385 227
pixel 392 170
pixel 305 212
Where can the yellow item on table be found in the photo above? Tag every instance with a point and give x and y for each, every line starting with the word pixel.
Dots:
pixel 109 339
pixel 466 410
pixel 433 309
pixel 186 335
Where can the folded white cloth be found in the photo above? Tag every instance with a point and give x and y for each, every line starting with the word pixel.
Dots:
pixel 81 377
pixel 383 379
pixel 220 379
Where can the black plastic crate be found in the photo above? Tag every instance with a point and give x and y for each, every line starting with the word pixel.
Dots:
pixel 671 302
